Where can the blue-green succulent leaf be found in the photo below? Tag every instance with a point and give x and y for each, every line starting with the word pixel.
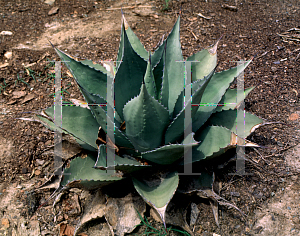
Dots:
pixel 214 92
pixel 207 61
pixel 176 128
pixel 89 78
pixel 99 112
pixel 150 81
pixel 81 173
pixel 229 100
pixel 136 44
pixel 158 54
pixel 157 192
pixel 78 122
pixel 168 154
pixel 126 164
pixel 129 77
pixel 146 120
pixel 157 62
pixel 229 119
pixel 173 75
pixel 95 66
pixel 216 140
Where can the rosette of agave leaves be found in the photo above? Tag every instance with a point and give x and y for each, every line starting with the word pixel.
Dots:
pixel 145 129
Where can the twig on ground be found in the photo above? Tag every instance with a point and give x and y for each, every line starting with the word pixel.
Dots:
pixel 193 34
pixel 128 7
pixel 205 17
pixel 265 53
pixel 231 8
pixel 261 156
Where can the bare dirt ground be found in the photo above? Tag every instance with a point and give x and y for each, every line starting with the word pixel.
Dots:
pixel 91 29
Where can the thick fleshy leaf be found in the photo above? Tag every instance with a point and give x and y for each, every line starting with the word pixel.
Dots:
pixel 173 75
pixel 176 128
pixel 216 140
pixel 124 164
pixel 207 62
pixel 94 65
pixel 99 112
pixel 168 154
pixel 79 122
pixel 158 75
pixel 157 191
pixel 146 120
pixel 121 46
pixel 97 106
pixel 136 44
pixel 129 77
pixel 157 62
pixel 157 55
pixel 214 92
pixel 229 100
pixel 48 123
pixel 229 119
pixel 150 81
pixel 81 173
pixel 89 78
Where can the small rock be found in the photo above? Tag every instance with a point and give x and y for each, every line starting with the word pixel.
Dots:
pixel 60 218
pixel 40 162
pixel 49 2
pixel 235 194
pixel 48 143
pixel 6 33
pixel 24 170
pixel 53 11
pixel 37 172
pixel 273 68
pixel 28 132
pixel 8 55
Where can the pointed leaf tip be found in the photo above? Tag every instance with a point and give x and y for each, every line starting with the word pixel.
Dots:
pixel 213 50
pixel 158 191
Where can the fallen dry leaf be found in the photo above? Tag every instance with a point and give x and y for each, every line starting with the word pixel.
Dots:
pixel 53 11
pixel 28 98
pixel 121 213
pixel 67 230
pixel 18 94
pixel 11 102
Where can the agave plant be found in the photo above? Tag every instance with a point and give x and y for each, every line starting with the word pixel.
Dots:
pixel 144 126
